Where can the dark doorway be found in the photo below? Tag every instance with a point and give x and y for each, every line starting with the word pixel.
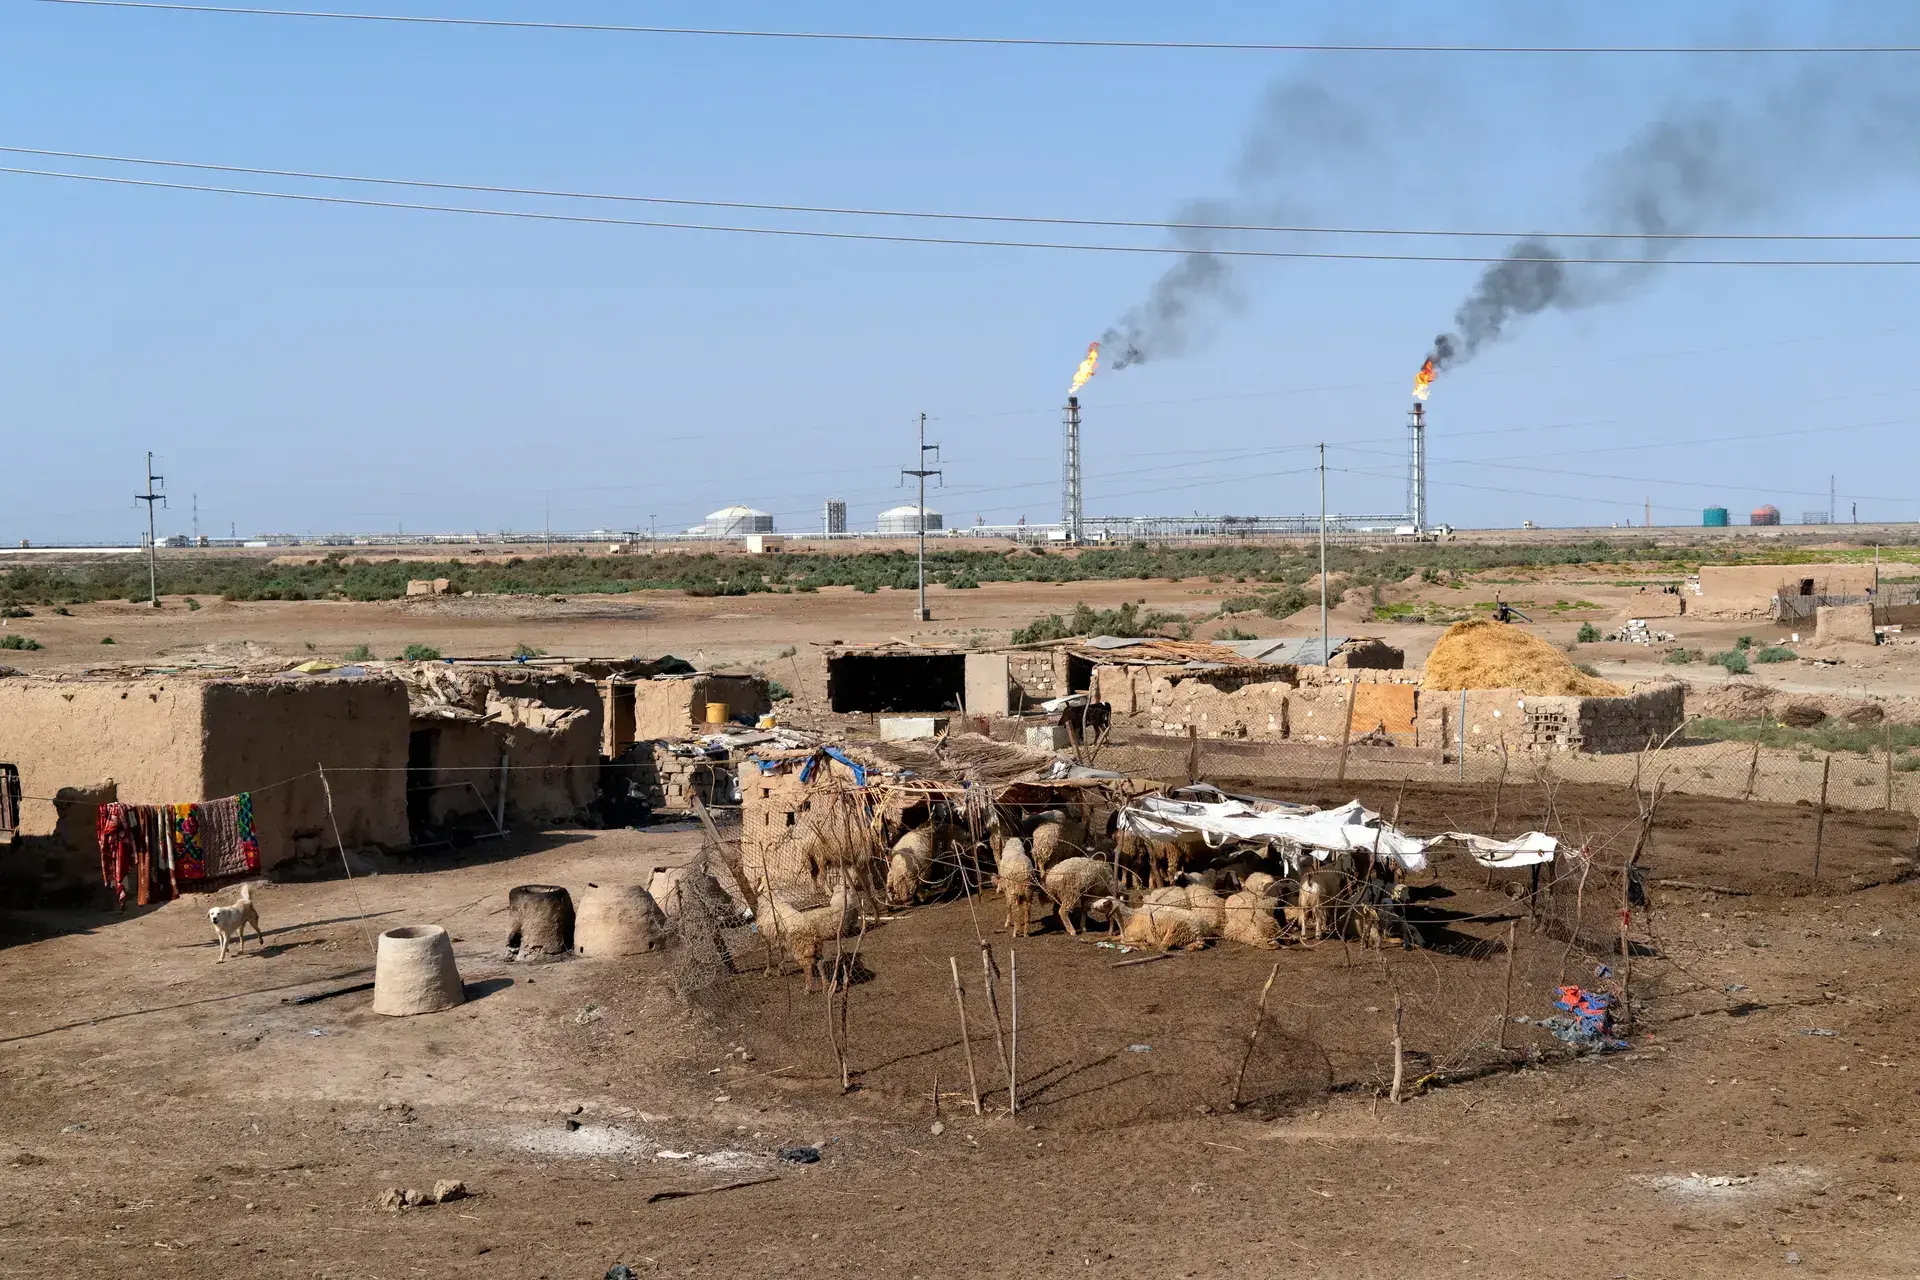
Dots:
pixel 1079 675
pixel 1806 586
pixel 897 681
pixel 622 734
pixel 420 752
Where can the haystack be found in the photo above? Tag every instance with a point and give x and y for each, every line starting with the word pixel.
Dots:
pixel 1482 654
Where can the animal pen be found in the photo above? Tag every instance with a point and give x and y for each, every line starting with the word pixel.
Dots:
pixel 1459 929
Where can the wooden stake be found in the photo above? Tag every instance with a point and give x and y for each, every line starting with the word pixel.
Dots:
pixel 1193 754
pixel 1889 805
pixel 1499 787
pixel 1346 729
pixel 1506 1001
pixel 1399 1049
pixel 1753 770
pixel 966 1040
pixel 1820 816
pixel 993 1007
pixel 1626 974
pixel 1259 1017
pixel 936 1094
pixel 1013 1050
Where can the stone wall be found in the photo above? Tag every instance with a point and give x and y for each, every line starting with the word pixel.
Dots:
pixel 1035 678
pixel 670 782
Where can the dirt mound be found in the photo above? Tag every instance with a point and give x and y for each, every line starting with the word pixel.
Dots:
pixel 1482 654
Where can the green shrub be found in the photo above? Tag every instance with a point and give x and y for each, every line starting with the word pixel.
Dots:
pixel 15 611
pixel 1734 660
pixel 106 639
pixel 1744 642
pixel 360 653
pixel 420 653
pixel 524 651
pixel 1235 633
pixel 64 612
pixel 1587 667
pixel 192 604
pixel 777 691
pixel 1588 634
pixel 1774 653
pixel 1127 620
pixel 1680 657
pixel 13 641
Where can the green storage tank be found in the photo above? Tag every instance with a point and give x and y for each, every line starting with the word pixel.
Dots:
pixel 1714 518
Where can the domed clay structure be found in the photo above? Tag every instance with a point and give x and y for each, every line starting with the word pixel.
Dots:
pixel 618 920
pixel 413 972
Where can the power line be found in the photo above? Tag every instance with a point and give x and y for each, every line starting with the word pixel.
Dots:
pixel 1127 224
pixel 1001 41
pixel 1158 250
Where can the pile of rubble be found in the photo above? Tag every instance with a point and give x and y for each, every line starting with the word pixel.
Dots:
pixel 1636 631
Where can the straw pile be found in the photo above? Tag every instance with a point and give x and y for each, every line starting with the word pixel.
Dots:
pixel 1482 654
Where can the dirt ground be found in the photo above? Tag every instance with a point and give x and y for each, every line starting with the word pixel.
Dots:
pixel 164 1115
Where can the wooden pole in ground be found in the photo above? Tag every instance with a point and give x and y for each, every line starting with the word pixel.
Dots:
pixel 1498 788
pixel 1346 729
pixel 966 1040
pixel 1193 754
pixel 1820 815
pixel 1626 974
pixel 993 1007
pixel 1506 1001
pixel 936 1094
pixel 1399 1049
pixel 1013 1049
pixel 1889 805
pixel 1753 771
pixel 1259 1017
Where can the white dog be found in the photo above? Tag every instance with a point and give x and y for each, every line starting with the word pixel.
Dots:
pixel 231 922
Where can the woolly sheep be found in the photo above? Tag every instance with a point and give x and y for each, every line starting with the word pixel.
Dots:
pixel 1161 927
pixel 1017 882
pixel 1054 841
pixel 1249 920
pixel 804 932
pixel 912 860
pixel 1074 883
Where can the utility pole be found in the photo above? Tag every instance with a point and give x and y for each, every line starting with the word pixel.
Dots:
pixel 1648 522
pixel 1326 659
pixel 196 519
pixel 921 471
pixel 151 496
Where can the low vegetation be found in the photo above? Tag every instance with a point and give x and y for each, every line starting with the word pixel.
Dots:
pixel 1774 653
pixel 1829 735
pixel 1127 620
pixel 523 651
pixel 420 653
pixel 1588 634
pixel 359 653
pixel 13 640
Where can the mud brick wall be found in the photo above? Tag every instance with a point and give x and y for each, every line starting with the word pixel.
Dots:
pixel 671 783
pixel 1035 677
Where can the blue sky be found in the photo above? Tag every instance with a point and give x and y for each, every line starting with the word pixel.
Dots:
pixel 309 368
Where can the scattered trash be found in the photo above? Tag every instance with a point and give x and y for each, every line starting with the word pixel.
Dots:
pixel 1815 1031
pixel 1732 987
pixel 1114 946
pixel 723 1097
pixel 1139 1048
pixel 1793 1259
pixel 76 1128
pixel 317 1031
pixel 591 1013
pixel 939 1127
pixel 619 1271
pixel 1591 1026
pixel 1602 971
pixel 673 1155
pixel 800 1155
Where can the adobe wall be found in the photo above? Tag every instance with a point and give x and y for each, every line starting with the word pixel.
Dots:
pixel 1034 677
pixel 1267 707
pixel 1523 722
pixel 1747 590
pixel 549 727
pixel 143 736
pixel 676 707
pixel 259 733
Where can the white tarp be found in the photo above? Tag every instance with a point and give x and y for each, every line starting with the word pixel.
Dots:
pixel 1522 851
pixel 1322 833
pixel 1351 828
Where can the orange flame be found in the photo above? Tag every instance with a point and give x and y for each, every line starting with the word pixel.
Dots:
pixel 1423 380
pixel 1086 370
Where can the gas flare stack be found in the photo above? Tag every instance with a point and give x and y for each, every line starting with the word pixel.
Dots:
pixel 1071 511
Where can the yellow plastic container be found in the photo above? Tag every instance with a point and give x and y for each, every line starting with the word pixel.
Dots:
pixel 716 713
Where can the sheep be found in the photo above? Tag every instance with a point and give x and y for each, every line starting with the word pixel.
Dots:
pixel 1312 910
pixel 1055 840
pixel 1161 927
pixel 1075 883
pixel 1261 883
pixel 805 931
pixel 1208 905
pixel 1018 879
pixel 912 859
pixel 1250 920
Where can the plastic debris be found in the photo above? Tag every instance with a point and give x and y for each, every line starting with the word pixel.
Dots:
pixel 800 1155
pixel 1591 1026
pixel 1815 1031
pixel 1139 1048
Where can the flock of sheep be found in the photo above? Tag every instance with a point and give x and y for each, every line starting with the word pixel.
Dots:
pixel 1158 894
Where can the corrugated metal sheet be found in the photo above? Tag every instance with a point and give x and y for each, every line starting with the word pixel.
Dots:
pixel 1284 651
